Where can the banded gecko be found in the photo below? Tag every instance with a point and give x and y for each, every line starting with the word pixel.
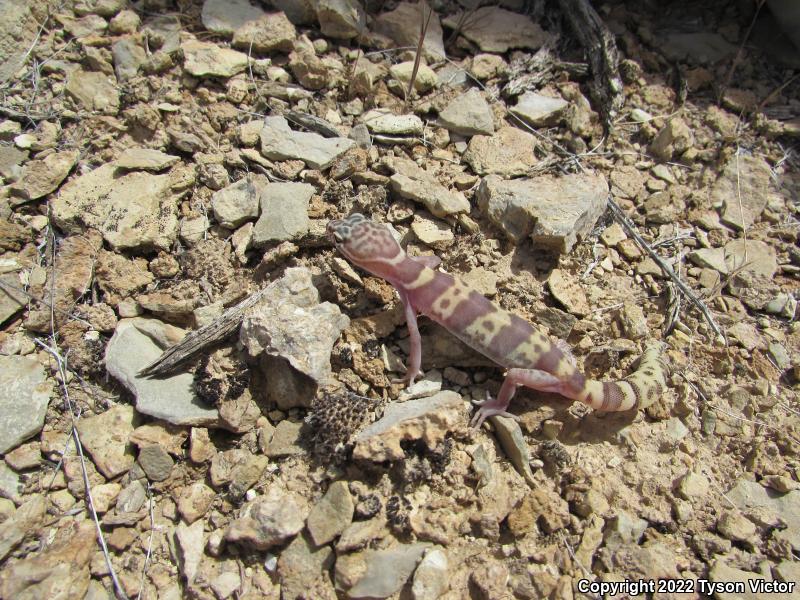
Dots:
pixel 531 359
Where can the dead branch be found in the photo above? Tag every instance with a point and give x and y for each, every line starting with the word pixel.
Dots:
pixel 601 52
pixel 630 229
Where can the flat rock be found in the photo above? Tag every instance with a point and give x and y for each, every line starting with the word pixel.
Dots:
pixel 61 570
pixel 508 153
pixel 11 486
pixel 721 573
pixel 424 80
pixel 750 495
pixel 538 110
pixel 24 396
pixel 341 19
pixel 426 419
pixel 431 578
pixel 190 545
pixel 239 202
pixel 226 16
pixel 285 440
pixel 106 438
pixel 280 142
pixel 168 436
pixel 270 33
pixel 711 258
pixel 284 213
pixel 414 183
pixel 568 292
pixel 22 522
pixel 754 256
pixel 747 180
pixel 129 56
pixel 674 138
pixel 171 399
pixel 155 462
pixel 403 24
pixel 93 91
pixel 495 29
pixel 468 114
pixel 134 210
pixel 145 159
pixel 433 232
pixel 378 573
pixel 381 120
pixel 554 211
pixel 268 520
pixel 509 434
pixel 40 177
pixel 205 59
pixel 291 323
pixel 332 514
pixel 12 296
pixel 701 47
pixel 302 568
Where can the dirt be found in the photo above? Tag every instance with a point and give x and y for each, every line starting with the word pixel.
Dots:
pixel 703 486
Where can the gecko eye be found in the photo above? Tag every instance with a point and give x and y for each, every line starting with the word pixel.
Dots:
pixel 338 238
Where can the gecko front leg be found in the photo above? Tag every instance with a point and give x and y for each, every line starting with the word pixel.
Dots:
pixel 531 378
pixel 415 342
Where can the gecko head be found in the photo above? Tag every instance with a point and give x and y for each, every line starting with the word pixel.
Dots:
pixel 366 243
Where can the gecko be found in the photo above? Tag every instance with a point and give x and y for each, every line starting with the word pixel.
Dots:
pixel 530 358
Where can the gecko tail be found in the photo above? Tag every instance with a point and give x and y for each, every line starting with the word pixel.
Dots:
pixel 640 389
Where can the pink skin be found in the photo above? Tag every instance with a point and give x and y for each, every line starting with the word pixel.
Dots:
pixel 372 247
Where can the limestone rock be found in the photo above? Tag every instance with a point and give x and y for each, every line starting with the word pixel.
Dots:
pixel 378 573
pixel 135 210
pixel 24 396
pixel 290 322
pixel 431 576
pixel 269 33
pixel 59 571
pixel 302 568
pixel 468 114
pixel 342 19
pixel 190 545
pixel 414 183
pixel 106 438
pixel 172 398
pixel 426 419
pixel 239 202
pixel 268 520
pixel 93 91
pixel 746 179
pixel 381 120
pixel 332 514
pixel 40 177
pixel 284 213
pixel 226 16
pixel 508 153
pixel 146 159
pixel 280 142
pixel 554 211
pixel 538 110
pixel 674 139
pixel 754 256
pixel 205 59
pixel 425 79
pixel 403 24
pixel 495 29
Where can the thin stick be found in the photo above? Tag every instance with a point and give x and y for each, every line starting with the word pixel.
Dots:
pixel 62 370
pixel 423 31
pixel 150 543
pixel 665 268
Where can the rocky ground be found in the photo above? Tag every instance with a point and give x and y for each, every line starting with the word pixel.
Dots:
pixel 162 161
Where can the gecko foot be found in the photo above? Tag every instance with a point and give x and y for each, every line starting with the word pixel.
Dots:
pixel 489 407
pixel 408 378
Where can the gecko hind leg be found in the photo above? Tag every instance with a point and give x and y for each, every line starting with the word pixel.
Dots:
pixel 530 378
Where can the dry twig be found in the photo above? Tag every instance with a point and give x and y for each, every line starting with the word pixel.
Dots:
pixel 630 228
